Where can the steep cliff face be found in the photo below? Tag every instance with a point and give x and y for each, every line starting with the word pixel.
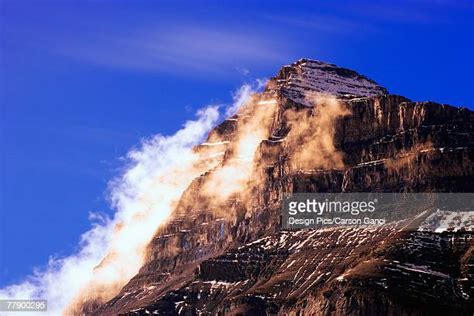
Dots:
pixel 229 256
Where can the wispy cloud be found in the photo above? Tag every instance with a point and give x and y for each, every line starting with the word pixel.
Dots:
pixel 322 22
pixel 242 95
pixel 189 49
pixel 407 11
pixel 365 16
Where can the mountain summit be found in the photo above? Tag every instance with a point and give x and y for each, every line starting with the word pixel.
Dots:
pixel 316 128
pixel 295 80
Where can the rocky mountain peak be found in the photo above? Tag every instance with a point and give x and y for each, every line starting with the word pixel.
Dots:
pixel 231 256
pixel 305 75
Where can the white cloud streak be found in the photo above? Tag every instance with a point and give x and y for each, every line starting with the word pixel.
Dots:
pixel 242 95
pixel 194 50
pixel 112 251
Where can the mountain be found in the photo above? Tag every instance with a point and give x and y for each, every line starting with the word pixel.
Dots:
pixel 316 127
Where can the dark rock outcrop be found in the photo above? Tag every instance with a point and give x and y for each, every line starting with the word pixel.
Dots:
pixel 336 271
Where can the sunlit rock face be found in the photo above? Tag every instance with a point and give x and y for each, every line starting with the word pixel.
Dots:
pixel 222 250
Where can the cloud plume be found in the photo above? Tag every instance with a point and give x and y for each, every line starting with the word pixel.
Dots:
pixel 112 251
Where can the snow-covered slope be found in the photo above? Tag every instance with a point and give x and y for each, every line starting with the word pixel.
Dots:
pixel 293 81
pixel 441 221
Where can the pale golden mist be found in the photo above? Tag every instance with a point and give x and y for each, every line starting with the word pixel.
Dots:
pixel 165 190
pixel 230 173
pixel 311 136
pixel 163 169
pixel 232 176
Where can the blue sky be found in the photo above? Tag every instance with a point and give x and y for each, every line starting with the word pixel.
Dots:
pixel 81 82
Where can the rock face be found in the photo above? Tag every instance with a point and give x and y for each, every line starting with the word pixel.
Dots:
pixel 232 258
pixel 338 271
